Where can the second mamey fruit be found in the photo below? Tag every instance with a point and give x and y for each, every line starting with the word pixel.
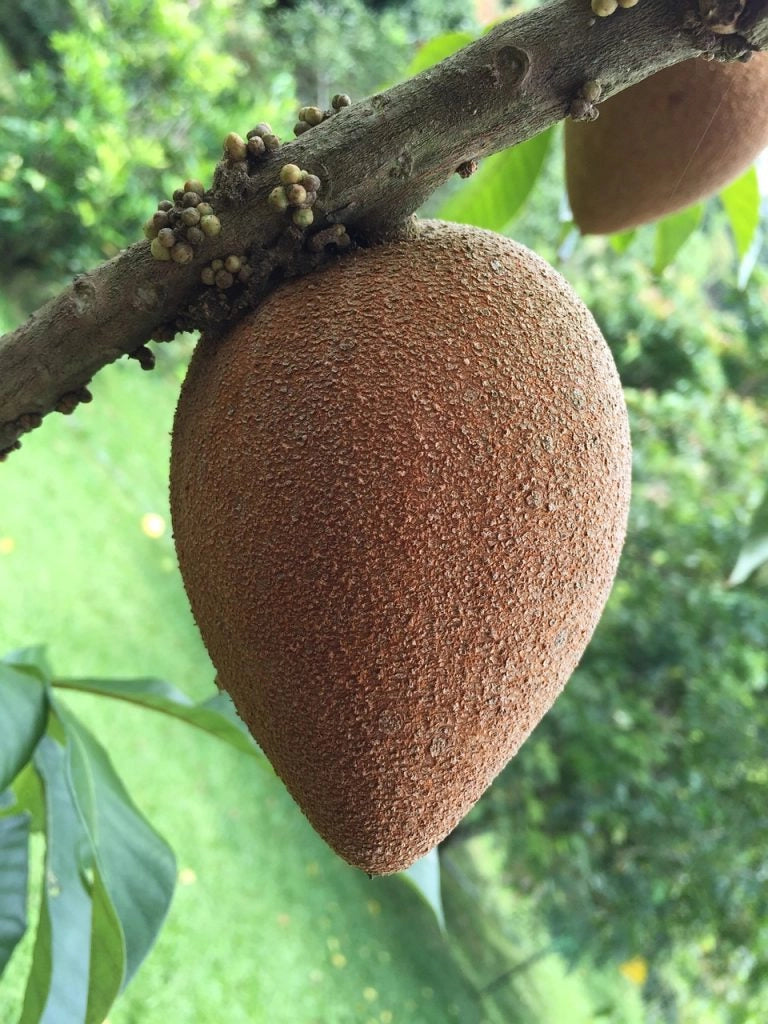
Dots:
pixel 399 493
pixel 670 140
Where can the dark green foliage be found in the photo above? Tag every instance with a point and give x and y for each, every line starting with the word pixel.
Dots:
pixel 134 97
pixel 635 809
pixel 27 26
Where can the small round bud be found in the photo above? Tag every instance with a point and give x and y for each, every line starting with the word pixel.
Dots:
pixel 309 201
pixel 204 209
pixel 165 204
pixel 278 198
pixel 303 218
pixel 232 264
pixel 603 8
pixel 235 147
pixel 300 127
pixel 271 143
pixel 340 100
pixel 245 273
pixel 591 91
pixel 627 3
pixel 208 275
pixel 303 113
pixel 311 182
pixel 178 195
pixel 159 251
pixel 256 145
pixel 261 129
pixel 190 216
pixel 210 225
pixel 150 231
pixel 295 194
pixel 290 174
pixel 166 237
pixel 190 199
pixel 217 265
pixel 224 279
pixel 182 252
pixel 313 115
pixel 195 236
pixel 161 219
pixel 193 185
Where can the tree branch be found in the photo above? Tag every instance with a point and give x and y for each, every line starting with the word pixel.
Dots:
pixel 378 160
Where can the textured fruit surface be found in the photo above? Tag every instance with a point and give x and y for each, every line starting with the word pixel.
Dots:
pixel 399 492
pixel 666 142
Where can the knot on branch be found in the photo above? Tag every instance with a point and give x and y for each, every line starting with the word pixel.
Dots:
pixel 511 67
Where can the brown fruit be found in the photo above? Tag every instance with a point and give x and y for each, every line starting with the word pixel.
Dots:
pixel 399 491
pixel 666 142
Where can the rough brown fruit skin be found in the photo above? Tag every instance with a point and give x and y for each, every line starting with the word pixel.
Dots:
pixel 666 142
pixel 399 492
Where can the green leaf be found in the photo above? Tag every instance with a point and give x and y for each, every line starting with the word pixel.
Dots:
pixel 498 190
pixel 741 200
pixel 754 551
pixel 14 876
pixel 672 233
pixel 27 795
pixel 78 963
pixel 23 714
pixel 57 988
pixel 106 968
pixel 437 49
pixel 215 715
pixel 137 865
pixel 30 659
pixel 424 876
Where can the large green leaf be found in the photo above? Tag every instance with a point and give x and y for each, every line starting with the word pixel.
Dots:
pixel 424 875
pixel 78 963
pixel 497 191
pixel 741 200
pixel 57 988
pixel 754 551
pixel 215 715
pixel 137 865
pixel 23 714
pixel 14 871
pixel 672 233
pixel 437 49
pixel 106 968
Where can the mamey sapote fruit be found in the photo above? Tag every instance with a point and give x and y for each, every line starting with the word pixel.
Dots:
pixel 666 142
pixel 399 491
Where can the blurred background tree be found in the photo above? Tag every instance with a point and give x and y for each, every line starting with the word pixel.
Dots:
pixel 617 868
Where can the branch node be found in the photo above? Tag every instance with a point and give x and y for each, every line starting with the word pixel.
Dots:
pixel 467 168
pixel 512 67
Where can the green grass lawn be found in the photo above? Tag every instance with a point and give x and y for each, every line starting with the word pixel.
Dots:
pixel 267 925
